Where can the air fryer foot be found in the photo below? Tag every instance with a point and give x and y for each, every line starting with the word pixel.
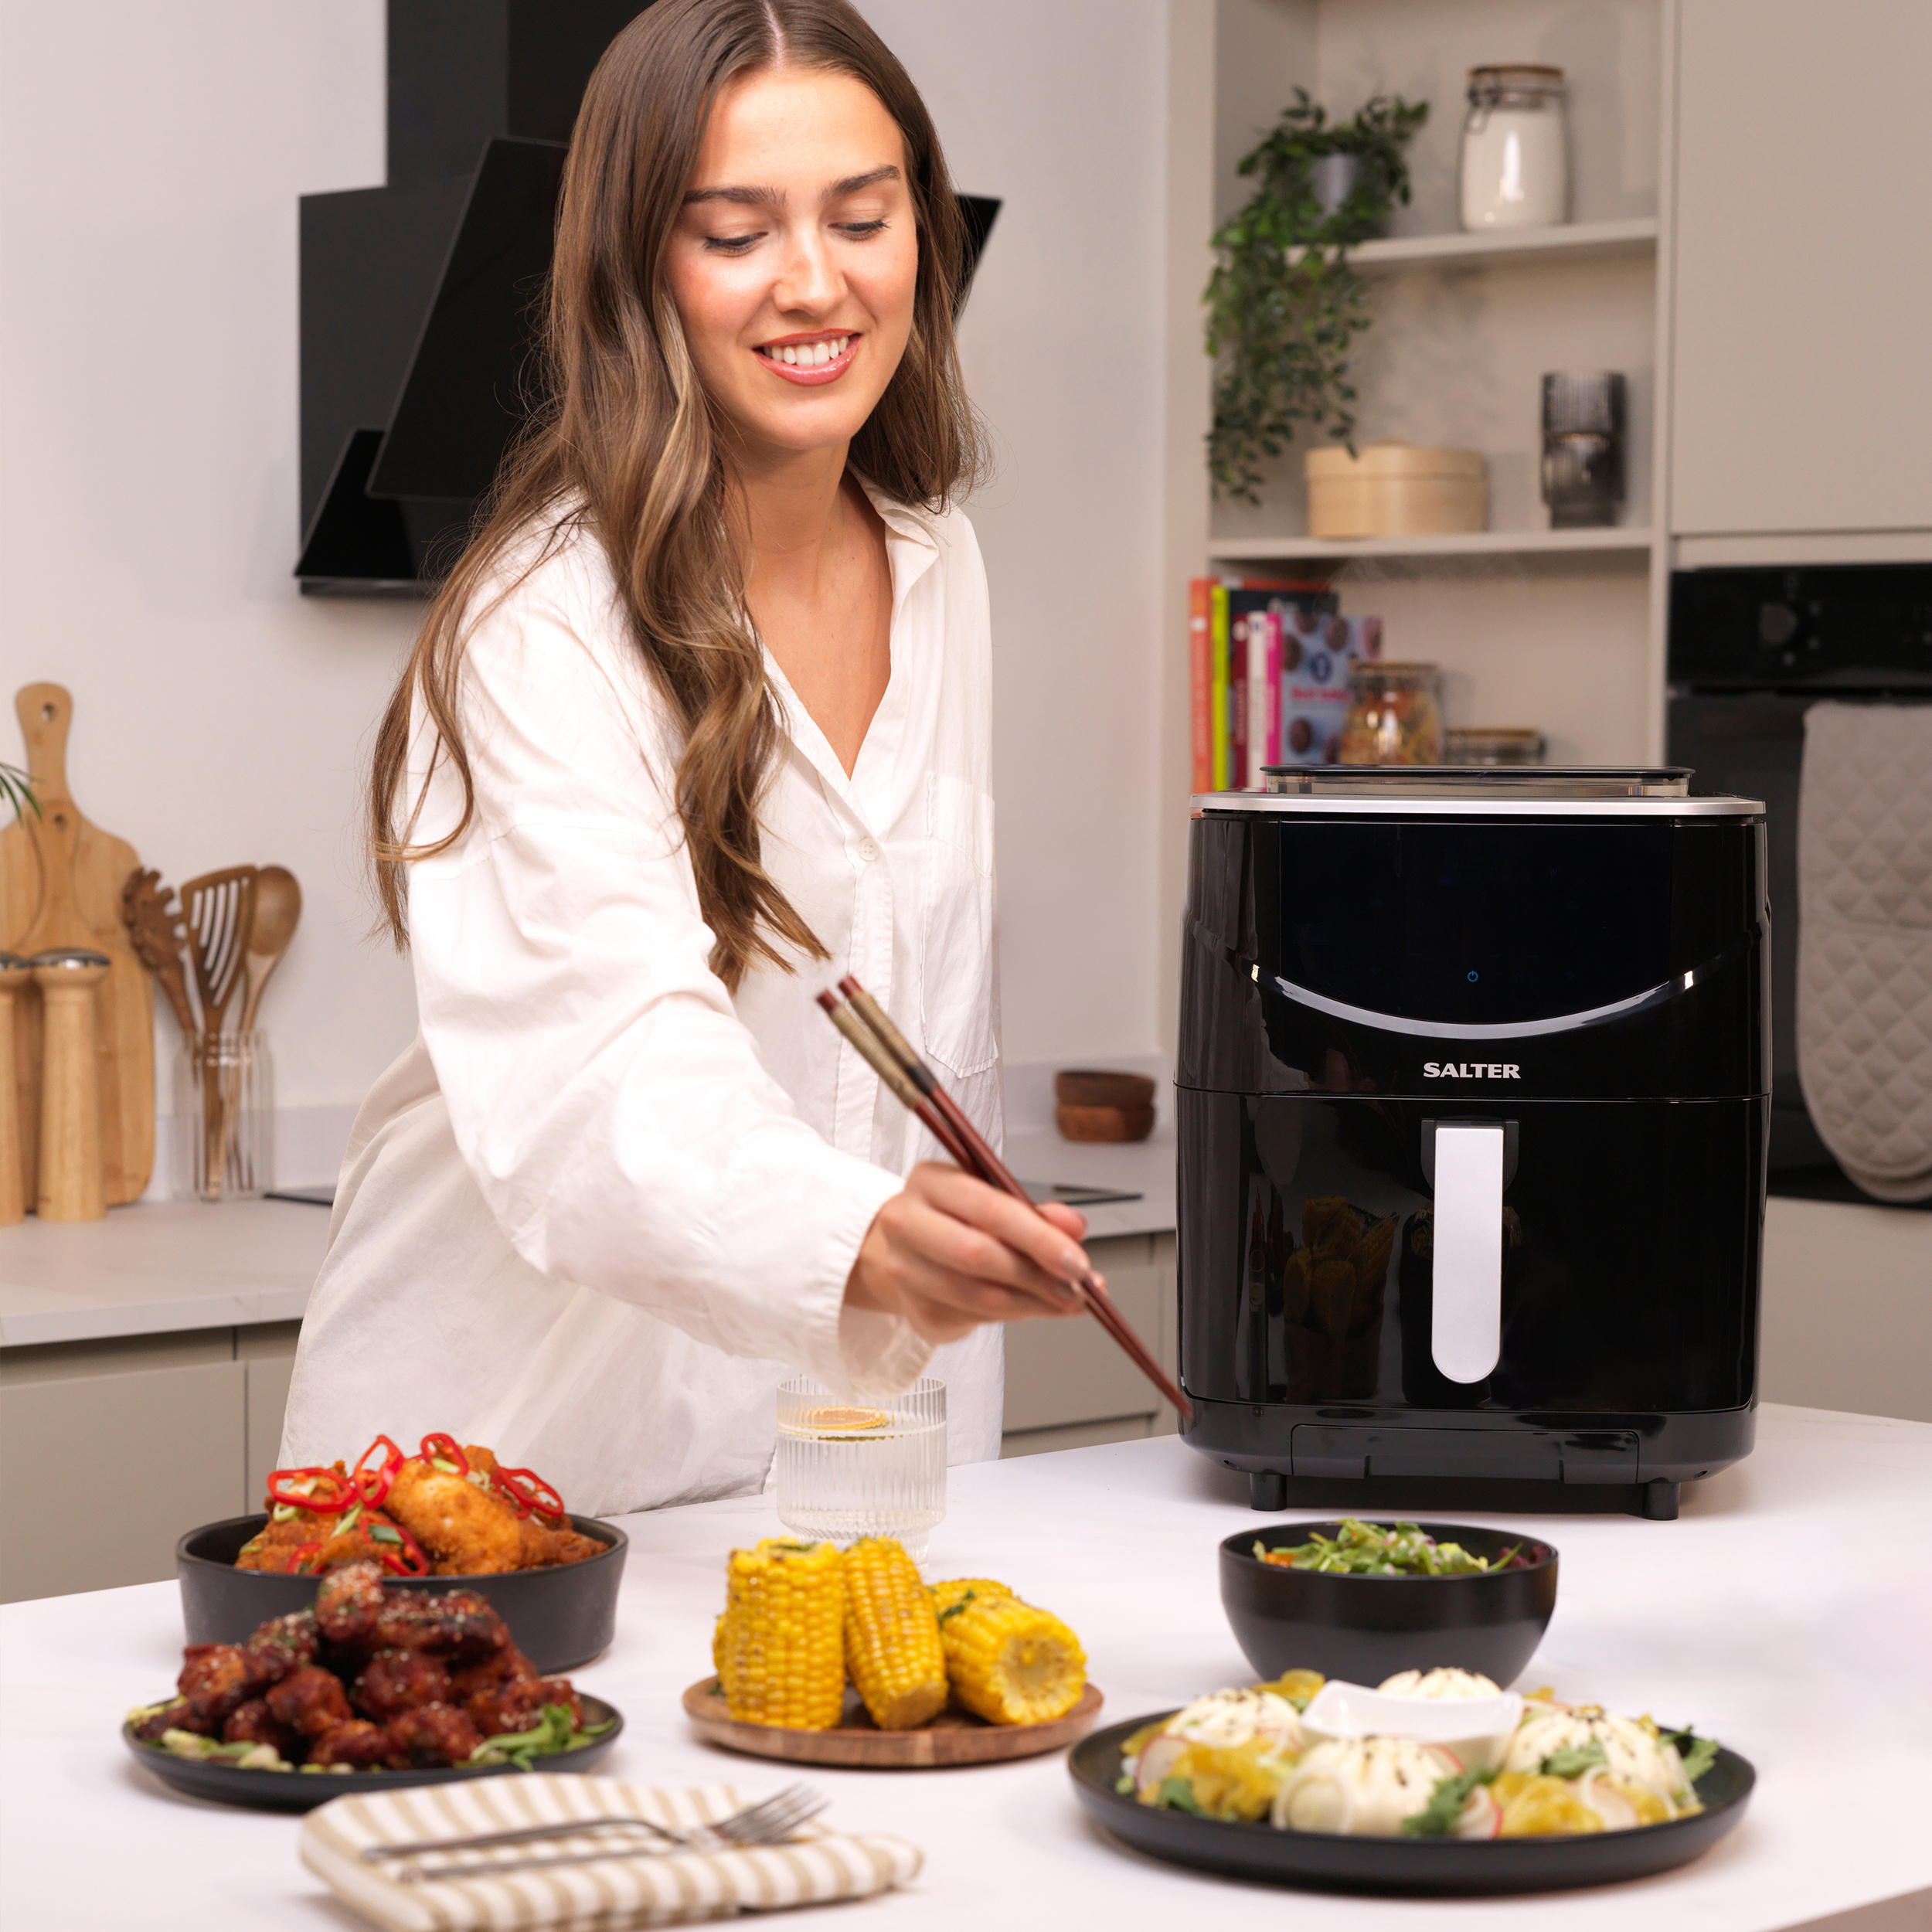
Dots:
pixel 1268 1489
pixel 1660 1500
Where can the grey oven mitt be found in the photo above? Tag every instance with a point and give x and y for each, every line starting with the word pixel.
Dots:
pixel 1865 941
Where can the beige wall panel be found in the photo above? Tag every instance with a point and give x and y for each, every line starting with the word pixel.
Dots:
pixel 1062 1372
pixel 1847 1307
pixel 269 1355
pixel 1528 641
pixel 1804 363
pixel 99 1475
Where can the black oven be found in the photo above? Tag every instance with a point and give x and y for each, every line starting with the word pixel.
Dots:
pixel 1750 650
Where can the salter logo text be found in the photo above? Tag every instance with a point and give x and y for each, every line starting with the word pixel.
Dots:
pixel 1467 1070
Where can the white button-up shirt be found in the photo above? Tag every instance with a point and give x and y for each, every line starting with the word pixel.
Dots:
pixel 601 1208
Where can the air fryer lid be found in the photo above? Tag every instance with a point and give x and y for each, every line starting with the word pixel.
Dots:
pixel 1476 782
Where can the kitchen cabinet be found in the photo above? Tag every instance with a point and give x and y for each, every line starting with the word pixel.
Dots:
pixel 109 1449
pixel 1068 1383
pixel 1803 276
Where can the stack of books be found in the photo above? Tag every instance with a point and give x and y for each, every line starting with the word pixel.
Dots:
pixel 1268 664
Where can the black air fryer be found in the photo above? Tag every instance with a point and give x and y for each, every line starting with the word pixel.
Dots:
pixel 1471 1104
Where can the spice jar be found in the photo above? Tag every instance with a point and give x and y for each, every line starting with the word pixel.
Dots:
pixel 1516 149
pixel 1393 716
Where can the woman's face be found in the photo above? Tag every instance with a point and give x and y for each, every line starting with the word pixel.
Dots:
pixel 793 262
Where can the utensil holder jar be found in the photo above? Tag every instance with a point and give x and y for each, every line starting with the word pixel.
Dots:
pixel 224 1126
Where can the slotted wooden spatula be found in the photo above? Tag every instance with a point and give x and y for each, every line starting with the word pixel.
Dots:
pixel 220 910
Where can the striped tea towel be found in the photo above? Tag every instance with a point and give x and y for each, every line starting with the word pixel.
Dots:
pixel 666 1887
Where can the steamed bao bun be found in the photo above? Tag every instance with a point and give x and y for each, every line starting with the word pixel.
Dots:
pixel 1258 1724
pixel 1365 1785
pixel 1445 1683
pixel 1633 1751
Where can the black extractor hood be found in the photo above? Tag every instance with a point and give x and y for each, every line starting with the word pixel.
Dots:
pixel 419 298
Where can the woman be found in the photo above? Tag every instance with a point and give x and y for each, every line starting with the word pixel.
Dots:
pixel 698 724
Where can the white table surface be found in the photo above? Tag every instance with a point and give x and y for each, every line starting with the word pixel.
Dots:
pixel 158 1268
pixel 1787 1614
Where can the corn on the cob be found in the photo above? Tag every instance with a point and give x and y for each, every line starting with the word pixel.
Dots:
pixel 947 1594
pixel 779 1645
pixel 1010 1663
pixel 892 1636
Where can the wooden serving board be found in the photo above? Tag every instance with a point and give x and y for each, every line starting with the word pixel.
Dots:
pixel 953 1737
pixel 63 843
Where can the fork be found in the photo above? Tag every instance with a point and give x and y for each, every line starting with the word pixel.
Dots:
pixel 768 1822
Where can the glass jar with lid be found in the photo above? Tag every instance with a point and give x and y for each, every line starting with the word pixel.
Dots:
pixel 1394 718
pixel 1516 149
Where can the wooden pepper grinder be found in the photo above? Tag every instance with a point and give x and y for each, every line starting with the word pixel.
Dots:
pixel 14 973
pixel 72 1183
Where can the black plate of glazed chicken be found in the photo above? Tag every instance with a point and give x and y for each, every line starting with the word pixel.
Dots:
pixel 372 1688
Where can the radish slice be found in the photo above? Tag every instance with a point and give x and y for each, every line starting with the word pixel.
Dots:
pixel 1610 1805
pixel 1481 1816
pixel 1158 1760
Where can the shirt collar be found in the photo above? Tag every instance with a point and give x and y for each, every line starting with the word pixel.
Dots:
pixel 912 547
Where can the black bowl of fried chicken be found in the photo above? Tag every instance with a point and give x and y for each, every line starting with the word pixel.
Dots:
pixel 449 1511
pixel 372 1681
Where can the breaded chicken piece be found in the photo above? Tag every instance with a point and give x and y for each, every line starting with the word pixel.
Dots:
pixel 538 1545
pixel 463 1529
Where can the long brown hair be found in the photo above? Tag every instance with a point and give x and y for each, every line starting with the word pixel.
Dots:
pixel 627 446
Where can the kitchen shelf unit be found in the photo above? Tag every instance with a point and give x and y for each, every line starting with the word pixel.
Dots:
pixel 1461 544
pixel 1559 629
pixel 1575 241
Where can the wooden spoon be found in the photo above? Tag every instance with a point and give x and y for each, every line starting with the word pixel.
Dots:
pixel 278 906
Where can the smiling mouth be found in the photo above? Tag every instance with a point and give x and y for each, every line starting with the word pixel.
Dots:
pixel 817 353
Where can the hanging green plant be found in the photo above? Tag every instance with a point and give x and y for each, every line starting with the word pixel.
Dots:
pixel 16 790
pixel 1284 305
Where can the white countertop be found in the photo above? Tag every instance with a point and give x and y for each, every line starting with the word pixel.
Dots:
pixel 158 1268
pixel 1785 1614
pixel 1144 1167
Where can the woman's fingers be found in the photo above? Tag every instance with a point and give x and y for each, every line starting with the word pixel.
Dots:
pixel 949 1252
pixel 1017 1226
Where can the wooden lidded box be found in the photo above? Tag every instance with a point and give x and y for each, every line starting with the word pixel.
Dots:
pixel 1395 489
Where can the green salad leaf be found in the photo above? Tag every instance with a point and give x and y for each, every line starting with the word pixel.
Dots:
pixel 1124 1785
pixel 1698 1753
pixel 1572 1760
pixel 1437 1818
pixel 1360 1549
pixel 553 1733
pixel 1178 1795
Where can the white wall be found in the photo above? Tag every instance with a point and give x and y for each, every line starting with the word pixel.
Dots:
pixel 150 158
pixel 150 161
pixel 1060 110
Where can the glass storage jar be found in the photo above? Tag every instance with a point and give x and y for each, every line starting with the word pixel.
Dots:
pixel 224 1127
pixel 1516 149
pixel 1394 717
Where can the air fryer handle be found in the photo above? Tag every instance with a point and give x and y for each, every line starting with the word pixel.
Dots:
pixel 1466 1278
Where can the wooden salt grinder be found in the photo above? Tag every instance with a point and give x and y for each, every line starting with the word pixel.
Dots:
pixel 14 972
pixel 72 1183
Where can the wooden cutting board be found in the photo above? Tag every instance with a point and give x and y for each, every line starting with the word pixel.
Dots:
pixel 953 1737
pixel 88 868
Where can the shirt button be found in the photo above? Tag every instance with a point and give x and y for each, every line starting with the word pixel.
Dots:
pixel 869 851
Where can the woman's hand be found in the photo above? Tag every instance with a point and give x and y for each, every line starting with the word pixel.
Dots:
pixel 949 1252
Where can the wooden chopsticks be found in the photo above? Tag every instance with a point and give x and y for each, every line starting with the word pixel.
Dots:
pixel 884 1049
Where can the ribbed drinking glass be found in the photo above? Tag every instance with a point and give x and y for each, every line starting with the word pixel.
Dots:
pixel 875 1468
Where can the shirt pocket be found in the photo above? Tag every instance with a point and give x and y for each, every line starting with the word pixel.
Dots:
pixel 956 974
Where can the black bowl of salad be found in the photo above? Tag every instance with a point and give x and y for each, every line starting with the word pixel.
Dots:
pixel 1362 1601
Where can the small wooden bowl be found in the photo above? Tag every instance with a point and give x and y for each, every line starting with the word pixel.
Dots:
pixel 1104 1123
pixel 1084 1086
